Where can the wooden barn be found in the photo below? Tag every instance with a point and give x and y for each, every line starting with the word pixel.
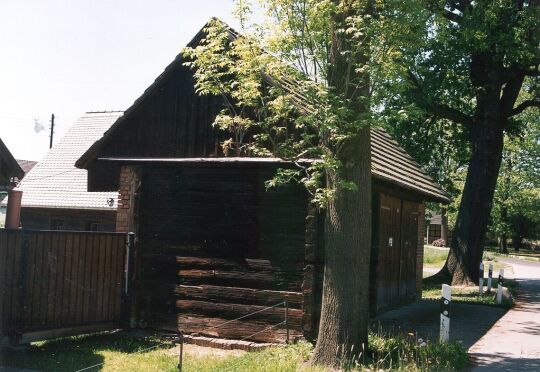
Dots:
pixel 212 244
pixel 10 170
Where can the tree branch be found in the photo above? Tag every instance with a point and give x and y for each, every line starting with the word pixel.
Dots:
pixel 447 112
pixel 525 105
pixel 440 110
pixel 453 17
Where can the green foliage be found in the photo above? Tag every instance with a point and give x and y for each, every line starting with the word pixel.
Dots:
pixel 282 97
pixel 517 198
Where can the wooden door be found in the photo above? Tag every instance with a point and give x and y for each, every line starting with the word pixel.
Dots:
pixel 389 251
pixel 409 246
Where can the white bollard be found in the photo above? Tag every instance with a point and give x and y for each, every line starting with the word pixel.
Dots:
pixel 446 300
pixel 490 278
pixel 481 280
pixel 500 286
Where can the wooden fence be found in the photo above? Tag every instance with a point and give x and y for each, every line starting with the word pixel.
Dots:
pixel 54 283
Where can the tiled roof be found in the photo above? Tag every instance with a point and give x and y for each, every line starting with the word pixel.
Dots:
pixel 55 182
pixel 391 163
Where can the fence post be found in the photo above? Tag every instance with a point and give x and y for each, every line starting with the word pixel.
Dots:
pixel 287 320
pixel 481 280
pixel 181 351
pixel 500 286
pixel 128 318
pixel 490 278
pixel 446 300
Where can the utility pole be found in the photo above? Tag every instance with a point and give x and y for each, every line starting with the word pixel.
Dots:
pixel 52 131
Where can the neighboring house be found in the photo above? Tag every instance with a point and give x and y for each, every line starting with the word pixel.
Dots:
pixel 434 230
pixel 26 165
pixel 55 194
pixel 214 244
pixel 10 174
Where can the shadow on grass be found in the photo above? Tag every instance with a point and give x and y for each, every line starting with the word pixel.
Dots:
pixel 74 353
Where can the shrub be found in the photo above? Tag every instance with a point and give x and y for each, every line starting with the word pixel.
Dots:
pixel 439 243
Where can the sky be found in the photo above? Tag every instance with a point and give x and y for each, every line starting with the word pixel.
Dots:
pixel 68 57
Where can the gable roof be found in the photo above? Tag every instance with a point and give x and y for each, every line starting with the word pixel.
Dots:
pixel 55 182
pixel 390 162
pixel 8 167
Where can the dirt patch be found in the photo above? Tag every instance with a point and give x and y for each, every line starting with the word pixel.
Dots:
pixel 202 352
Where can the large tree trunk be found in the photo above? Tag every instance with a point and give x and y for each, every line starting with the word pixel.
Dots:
pixel 345 298
pixel 469 235
pixel 343 328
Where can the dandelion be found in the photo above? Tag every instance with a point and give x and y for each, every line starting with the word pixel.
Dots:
pixel 423 344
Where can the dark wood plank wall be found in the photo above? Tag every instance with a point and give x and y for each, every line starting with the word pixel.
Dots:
pixel 173 122
pixel 51 280
pixel 216 246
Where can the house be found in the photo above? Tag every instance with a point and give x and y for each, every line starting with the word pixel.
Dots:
pixel 26 166
pixel 213 244
pixel 55 194
pixel 10 174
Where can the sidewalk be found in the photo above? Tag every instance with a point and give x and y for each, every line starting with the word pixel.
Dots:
pixel 513 343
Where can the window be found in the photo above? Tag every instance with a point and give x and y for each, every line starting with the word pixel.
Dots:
pixel 57 224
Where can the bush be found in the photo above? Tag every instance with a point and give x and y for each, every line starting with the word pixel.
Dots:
pixel 439 243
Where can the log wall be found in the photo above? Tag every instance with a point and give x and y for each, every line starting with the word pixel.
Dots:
pixel 216 245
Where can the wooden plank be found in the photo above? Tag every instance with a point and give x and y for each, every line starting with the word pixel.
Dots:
pixel 230 294
pixel 232 311
pixel 67 281
pixel 106 314
pixel 52 267
pixel 3 276
pixel 59 299
pixel 73 279
pixel 44 243
pixel 88 283
pixel 80 280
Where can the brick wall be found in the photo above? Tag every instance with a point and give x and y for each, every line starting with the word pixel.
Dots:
pixel 420 250
pixel 124 192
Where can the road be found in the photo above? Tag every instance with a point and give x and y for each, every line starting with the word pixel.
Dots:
pixel 513 343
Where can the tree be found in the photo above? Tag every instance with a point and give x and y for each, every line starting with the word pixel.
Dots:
pixel 476 65
pixel 517 196
pixel 299 86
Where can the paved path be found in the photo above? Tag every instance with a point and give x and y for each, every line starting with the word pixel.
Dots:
pixel 469 322
pixel 513 343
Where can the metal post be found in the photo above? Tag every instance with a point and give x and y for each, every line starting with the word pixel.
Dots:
pixel 129 271
pixel 181 351
pixel 287 320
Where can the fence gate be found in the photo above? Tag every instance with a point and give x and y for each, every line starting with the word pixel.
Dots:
pixel 59 283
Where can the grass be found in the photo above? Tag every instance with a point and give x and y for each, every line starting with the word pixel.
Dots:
pixel 434 258
pixel 431 289
pixel 119 352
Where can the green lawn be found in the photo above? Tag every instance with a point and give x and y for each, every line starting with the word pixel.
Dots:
pixel 119 352
pixel 431 289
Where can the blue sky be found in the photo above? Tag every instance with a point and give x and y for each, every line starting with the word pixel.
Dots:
pixel 69 57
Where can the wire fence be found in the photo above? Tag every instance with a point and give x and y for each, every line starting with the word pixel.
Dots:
pixel 180 337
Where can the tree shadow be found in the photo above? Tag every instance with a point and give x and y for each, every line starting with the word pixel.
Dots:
pixel 74 353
